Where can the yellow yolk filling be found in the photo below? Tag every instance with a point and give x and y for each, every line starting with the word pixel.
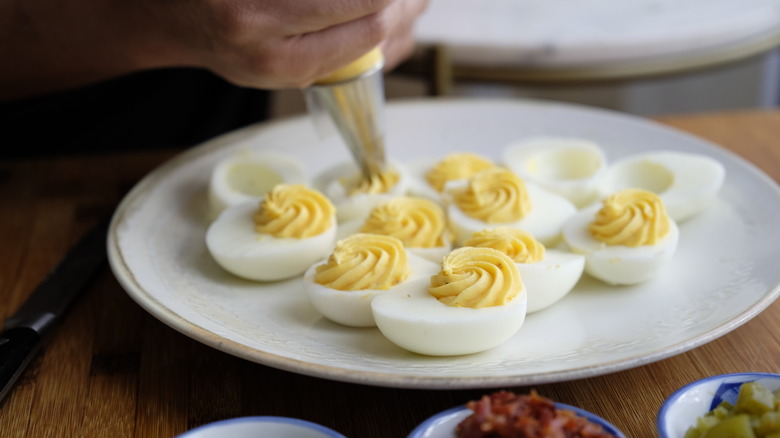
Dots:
pixel 493 196
pixel 377 184
pixel 418 223
pixel 364 261
pixel 519 245
pixel 632 218
pixel 476 278
pixel 456 166
pixel 294 211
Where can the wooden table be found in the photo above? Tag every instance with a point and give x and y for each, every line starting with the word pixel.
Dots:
pixel 111 369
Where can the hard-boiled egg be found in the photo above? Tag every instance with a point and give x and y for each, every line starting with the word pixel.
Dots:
pixel 419 223
pixel 248 175
pixel 570 167
pixel 498 197
pixel 361 268
pixel 626 240
pixel 430 176
pixel 686 182
pixel 277 238
pixel 548 274
pixel 476 302
pixel 353 195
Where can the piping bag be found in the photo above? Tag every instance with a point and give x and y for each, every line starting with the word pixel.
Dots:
pixel 353 98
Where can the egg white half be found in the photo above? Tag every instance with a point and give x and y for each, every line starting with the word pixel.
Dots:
pixel 618 264
pixel 418 183
pixel 570 167
pixel 549 212
pixel 353 308
pixel 248 175
pixel 418 322
pixel 552 278
pixel 434 254
pixel 357 206
pixel 686 183
pixel 233 243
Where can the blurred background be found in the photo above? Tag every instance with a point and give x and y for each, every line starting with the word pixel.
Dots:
pixel 646 57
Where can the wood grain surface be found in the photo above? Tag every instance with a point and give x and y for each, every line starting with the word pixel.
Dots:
pixel 112 370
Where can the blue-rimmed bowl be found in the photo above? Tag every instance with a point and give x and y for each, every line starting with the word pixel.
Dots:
pixel 442 425
pixel 684 406
pixel 253 427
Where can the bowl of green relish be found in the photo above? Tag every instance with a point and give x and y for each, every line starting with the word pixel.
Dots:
pixel 737 405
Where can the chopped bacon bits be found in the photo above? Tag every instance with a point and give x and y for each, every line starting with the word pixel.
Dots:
pixel 507 415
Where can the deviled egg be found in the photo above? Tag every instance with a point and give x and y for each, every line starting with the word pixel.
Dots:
pixel 570 167
pixel 476 302
pixel 354 195
pixel 277 238
pixel 248 175
pixel 686 182
pixel 548 274
pixel 498 197
pixel 626 240
pixel 361 268
pixel 429 177
pixel 419 223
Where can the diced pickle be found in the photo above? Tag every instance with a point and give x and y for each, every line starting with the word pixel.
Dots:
pixel 703 424
pixel 737 426
pixel 754 399
pixel 756 414
pixel 706 422
pixel 692 433
pixel 723 410
pixel 768 423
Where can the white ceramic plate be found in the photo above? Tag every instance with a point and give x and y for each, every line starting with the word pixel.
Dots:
pixel 724 273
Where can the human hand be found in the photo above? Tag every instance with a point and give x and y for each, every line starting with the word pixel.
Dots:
pixel 280 43
pixel 60 44
pixel 400 42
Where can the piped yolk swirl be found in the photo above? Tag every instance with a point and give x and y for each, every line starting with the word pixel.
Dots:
pixel 476 278
pixel 364 261
pixel 631 217
pixel 417 222
pixel 294 211
pixel 456 166
pixel 519 245
pixel 379 183
pixel 494 196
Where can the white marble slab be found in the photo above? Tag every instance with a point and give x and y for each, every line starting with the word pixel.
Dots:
pixel 549 33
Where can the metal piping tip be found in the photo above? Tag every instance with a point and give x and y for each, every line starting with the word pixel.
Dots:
pixel 355 104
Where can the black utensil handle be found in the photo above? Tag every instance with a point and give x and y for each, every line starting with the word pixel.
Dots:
pixel 17 347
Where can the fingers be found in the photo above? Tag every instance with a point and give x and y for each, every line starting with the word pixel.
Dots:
pixel 392 27
pixel 397 50
pixel 307 16
pixel 400 43
pixel 282 43
pixel 339 45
